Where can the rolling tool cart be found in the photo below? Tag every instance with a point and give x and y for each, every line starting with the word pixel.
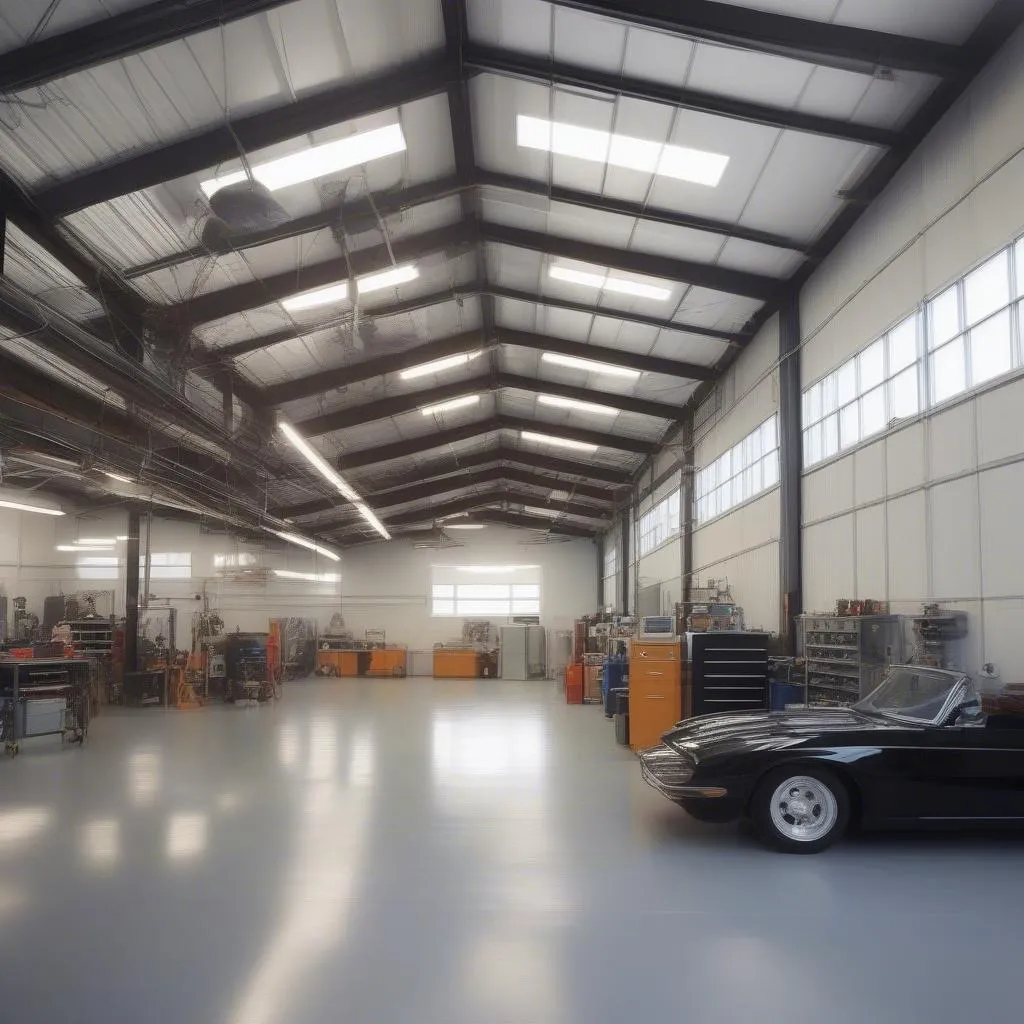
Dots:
pixel 43 697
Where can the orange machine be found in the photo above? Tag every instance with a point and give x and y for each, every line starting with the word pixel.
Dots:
pixel 338 663
pixel 457 664
pixel 387 661
pixel 655 691
pixel 378 661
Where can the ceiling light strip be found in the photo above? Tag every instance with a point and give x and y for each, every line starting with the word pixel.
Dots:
pixel 454 403
pixel 557 442
pixel 294 538
pixel 590 365
pixel 438 365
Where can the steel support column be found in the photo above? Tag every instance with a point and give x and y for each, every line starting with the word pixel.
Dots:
pixel 131 594
pixel 624 556
pixel 791 461
pixel 687 505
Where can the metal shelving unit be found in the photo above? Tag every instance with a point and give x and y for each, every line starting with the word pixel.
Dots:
pixel 848 655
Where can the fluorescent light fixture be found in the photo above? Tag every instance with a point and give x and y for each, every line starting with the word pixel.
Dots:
pixel 317 461
pixel 557 402
pixel 536 510
pixel 493 568
pixel 693 165
pixel 607 283
pixel 608 369
pixel 294 538
pixel 118 477
pixel 438 365
pixel 84 547
pixel 104 541
pixel 338 292
pixel 557 442
pixel 316 297
pixel 367 513
pixel 317 161
pixel 124 537
pixel 7 500
pixel 464 526
pixel 455 403
pixel 387 279
pixel 310 577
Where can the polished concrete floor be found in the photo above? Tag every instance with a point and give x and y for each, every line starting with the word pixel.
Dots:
pixel 456 853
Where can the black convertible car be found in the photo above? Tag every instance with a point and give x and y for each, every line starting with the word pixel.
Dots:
pixel 918 751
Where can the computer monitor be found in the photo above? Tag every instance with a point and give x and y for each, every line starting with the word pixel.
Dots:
pixel 657 627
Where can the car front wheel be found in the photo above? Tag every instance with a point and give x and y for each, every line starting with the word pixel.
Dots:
pixel 801 809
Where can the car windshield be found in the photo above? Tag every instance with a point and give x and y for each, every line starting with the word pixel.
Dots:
pixel 918 694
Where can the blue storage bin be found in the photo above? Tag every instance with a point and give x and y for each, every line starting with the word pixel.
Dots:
pixel 782 694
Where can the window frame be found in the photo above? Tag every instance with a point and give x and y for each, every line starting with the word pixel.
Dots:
pixel 739 474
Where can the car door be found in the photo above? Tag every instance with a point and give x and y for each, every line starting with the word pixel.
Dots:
pixel 952 773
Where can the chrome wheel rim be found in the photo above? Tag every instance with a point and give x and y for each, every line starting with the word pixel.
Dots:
pixel 804 809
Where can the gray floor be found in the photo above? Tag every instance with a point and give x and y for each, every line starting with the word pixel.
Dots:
pixel 456 853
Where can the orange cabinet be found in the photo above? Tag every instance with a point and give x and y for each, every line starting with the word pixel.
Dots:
pixel 655 692
pixel 338 663
pixel 387 662
pixel 456 664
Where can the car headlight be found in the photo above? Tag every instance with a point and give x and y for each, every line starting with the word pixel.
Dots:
pixel 669 766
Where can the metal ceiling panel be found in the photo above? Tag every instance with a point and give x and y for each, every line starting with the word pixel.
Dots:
pixel 690 348
pixel 761 77
pixel 521 24
pixel 583 39
pixel 945 21
pixel 740 254
pixel 706 308
pixel 675 242
pixel 172 214
pixel 657 57
pixel 890 103
pixel 20 19
pixel 797 189
pixel 38 358
pixel 518 209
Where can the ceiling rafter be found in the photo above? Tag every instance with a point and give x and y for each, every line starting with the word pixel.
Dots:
pixel 626 208
pixel 473 341
pixel 356 216
pixel 362 457
pixel 425 492
pixel 396 405
pixel 119 35
pixel 819 42
pixel 432 511
pixel 346 102
pixel 453 238
pixel 610 480
pixel 524 521
pixel 664 268
pixel 495 60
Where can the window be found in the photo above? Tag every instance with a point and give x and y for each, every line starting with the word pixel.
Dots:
pixel 866 393
pixel 485 591
pixel 660 523
pixel 167 565
pixel 752 466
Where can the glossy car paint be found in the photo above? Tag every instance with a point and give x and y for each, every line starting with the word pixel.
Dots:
pixel 899 773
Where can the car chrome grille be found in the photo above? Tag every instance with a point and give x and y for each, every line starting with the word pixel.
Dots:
pixel 666 769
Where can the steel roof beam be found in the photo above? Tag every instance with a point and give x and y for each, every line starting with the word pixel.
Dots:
pixel 735 338
pixel 611 480
pixel 354 217
pixel 396 405
pixel 238 298
pixel 432 511
pixel 413 81
pixel 597 437
pixel 368 369
pixel 704 275
pixel 117 36
pixel 641 211
pixel 528 522
pixel 439 439
pixel 547 72
pixel 604 354
pixel 818 42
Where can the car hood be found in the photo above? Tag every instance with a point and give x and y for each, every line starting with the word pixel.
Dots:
pixel 711 735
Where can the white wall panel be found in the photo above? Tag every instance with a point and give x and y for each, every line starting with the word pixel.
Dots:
pixel 869 473
pixel 904 458
pixel 871 567
pixel 1004 626
pixel 750 526
pixel 828 560
pixel 661 565
pixel 951 443
pixel 1002 552
pixel 956 571
pixel 754 581
pixel 828 491
pixel 1001 423
pixel 908 557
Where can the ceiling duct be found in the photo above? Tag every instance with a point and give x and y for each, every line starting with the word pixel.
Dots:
pixel 242 208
